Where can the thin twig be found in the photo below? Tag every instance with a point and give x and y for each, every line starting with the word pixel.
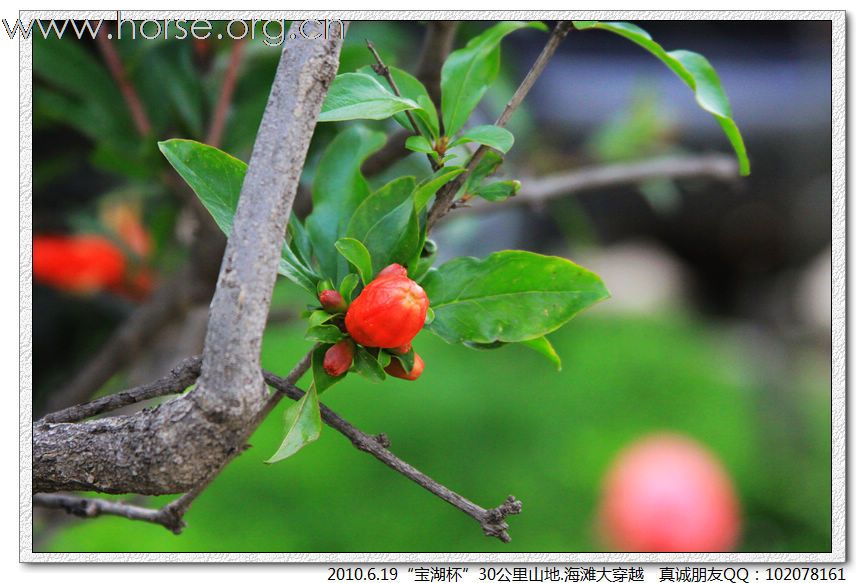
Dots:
pixel 536 191
pixel 446 194
pixel 491 520
pixel 130 95
pixel 384 71
pixel 94 507
pixel 229 82
pixel 180 377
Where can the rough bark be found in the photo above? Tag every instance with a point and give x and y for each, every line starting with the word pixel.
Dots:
pixel 173 447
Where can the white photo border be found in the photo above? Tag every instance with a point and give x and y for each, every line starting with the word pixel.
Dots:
pixel 839 309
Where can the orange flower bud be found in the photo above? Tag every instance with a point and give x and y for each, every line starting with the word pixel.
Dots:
pixel 389 312
pixel 395 368
pixel 337 359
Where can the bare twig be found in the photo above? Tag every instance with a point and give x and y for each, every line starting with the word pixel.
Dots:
pixel 180 377
pixel 491 520
pixel 229 82
pixel 115 66
pixel 94 507
pixel 536 191
pixel 445 196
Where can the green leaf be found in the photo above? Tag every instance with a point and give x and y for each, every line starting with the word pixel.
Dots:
pixel 489 163
pixel 337 191
pixel 419 144
pixel 217 178
pixel 468 72
pixel 544 347
pixel 697 73
pixel 348 285
pixel 214 176
pixel 427 188
pixel 386 223
pixel 322 381
pixel 498 191
pixel 357 255
pixel 406 360
pixel 487 135
pixel 300 244
pixel 304 425
pixel 327 333
pixel 368 366
pixel 419 266
pixel 411 88
pixel 510 296
pixel 359 96
pixel 319 317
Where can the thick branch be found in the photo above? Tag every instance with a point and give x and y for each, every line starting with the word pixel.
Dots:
pixel 536 191
pixel 175 446
pixel 446 194
pixel 491 520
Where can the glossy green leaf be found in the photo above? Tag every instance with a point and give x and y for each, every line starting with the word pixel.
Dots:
pixel 420 265
pixel 498 191
pixel 300 243
pixel 360 96
pixel 488 165
pixel 337 190
pixel 386 223
pixel 319 317
pixel 217 178
pixel 468 72
pixel 304 425
pixel 358 255
pixel 326 333
pixel 348 285
pixel 487 135
pixel 405 360
pixel 419 144
pixel 368 366
pixel 544 347
pixel 411 88
pixel 509 296
pixel 427 188
pixel 697 73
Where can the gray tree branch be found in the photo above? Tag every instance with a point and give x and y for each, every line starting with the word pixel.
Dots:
pixel 174 447
pixel 536 191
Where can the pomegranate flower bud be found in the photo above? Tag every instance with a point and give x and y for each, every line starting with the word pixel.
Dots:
pixel 393 269
pixel 332 301
pixel 337 359
pixel 389 312
pixel 395 368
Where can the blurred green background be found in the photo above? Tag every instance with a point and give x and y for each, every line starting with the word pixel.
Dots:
pixel 717 326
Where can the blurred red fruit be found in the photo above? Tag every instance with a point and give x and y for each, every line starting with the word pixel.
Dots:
pixel 389 312
pixel 395 369
pixel 668 493
pixel 337 359
pixel 79 264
